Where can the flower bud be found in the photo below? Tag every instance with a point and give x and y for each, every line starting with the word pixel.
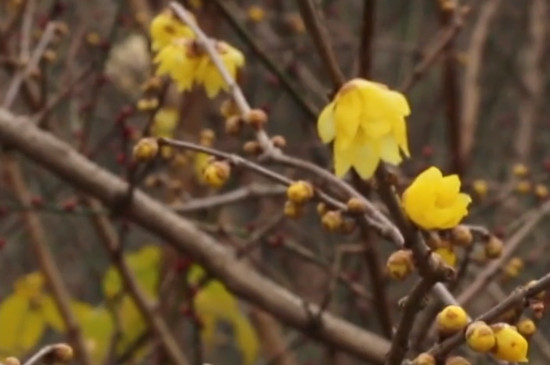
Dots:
pixel 493 247
pixel 207 137
pixel 541 191
pixel 520 170
pixel 216 173
pixel 299 192
pixel 447 255
pixel 434 240
pixel 480 187
pixel 146 149
pixel 523 186
pixel 451 319
pixel 513 267
pixel 400 264
pixel 252 148
pixel 510 345
pixel 233 125
pixel 457 360
pixel 60 353
pixel 257 118
pixel 278 141
pixel 12 361
pixel 147 104
pixel 424 359
pixel 332 220
pixel 293 210
pixel 480 337
pixel 229 109
pixel 526 327
pixel 321 208
pixel 356 205
pixel 461 236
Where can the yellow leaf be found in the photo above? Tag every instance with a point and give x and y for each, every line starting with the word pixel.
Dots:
pixel 22 326
pixel 144 264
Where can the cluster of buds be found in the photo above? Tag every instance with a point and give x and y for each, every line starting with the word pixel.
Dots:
pixel 505 342
pixel 298 194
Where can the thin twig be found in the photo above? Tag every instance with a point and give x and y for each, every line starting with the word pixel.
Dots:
pixel 17 81
pixel 367 39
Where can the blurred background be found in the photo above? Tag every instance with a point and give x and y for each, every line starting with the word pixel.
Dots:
pixel 475 74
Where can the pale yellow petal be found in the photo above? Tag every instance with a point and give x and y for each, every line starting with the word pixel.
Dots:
pixel 398 102
pixel 376 128
pixel 325 124
pixel 347 113
pixel 343 158
pixel 389 150
pixel 366 160
pixel 400 135
pixel 447 190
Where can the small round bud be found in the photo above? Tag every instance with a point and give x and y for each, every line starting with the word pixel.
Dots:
pixel 400 264
pixel 293 210
pixel 61 28
pixel 461 236
pixel 540 295
pixel 493 247
pixel 541 191
pixel 480 337
pixel 357 206
pixel 510 345
pixel 424 359
pixel 526 327
pixel 321 208
pixel 451 319
pixel 60 353
pixel 233 125
pixel 229 109
pixel 278 141
pixel 480 187
pixel 520 170
pixel 447 254
pixel 457 360
pixel 523 186
pixel 12 361
pixel 513 267
pixel 147 104
pixel 257 118
pixel 216 173
pixel 300 192
pixel 252 148
pixel 151 84
pixel 332 220
pixel 146 149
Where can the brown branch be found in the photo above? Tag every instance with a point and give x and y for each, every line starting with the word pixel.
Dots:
pixel 312 20
pixel 470 89
pixel 515 299
pixel 59 158
pixel 413 305
pixel 489 272
pixel 146 307
pixel 38 239
pixel 533 69
pixel 367 39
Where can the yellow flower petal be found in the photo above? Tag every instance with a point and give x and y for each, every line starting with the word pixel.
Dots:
pixel 389 150
pixel 347 111
pixel 325 124
pixel 343 159
pixel 447 191
pixel 366 160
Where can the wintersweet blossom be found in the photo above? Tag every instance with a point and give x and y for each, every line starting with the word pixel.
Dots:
pixel 180 60
pixel 366 120
pixel 434 201
pixel 165 28
pixel 208 74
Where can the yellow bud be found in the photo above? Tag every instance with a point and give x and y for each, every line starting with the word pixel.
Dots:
pixel 61 28
pixel 480 187
pixel 93 39
pixel 49 56
pixel 256 118
pixel 146 149
pixel 321 208
pixel 255 13
pixel 252 148
pixel 332 220
pixel 523 186
pixel 12 361
pixel 147 104
pixel 357 206
pixel 229 109
pixel 424 359
pixel 233 125
pixel 293 210
pixel 296 23
pixel 217 173
pixel 457 360
pixel 520 170
pixel 526 327
pixel 153 83
pixel 400 264
pixel 300 192
pixel 207 137
pixel 461 236
pixel 451 319
pixel 480 337
pixel 447 255
pixel 510 345
pixel 513 267
pixel 540 295
pixel 278 141
pixel 541 191
pixel 61 353
pixel 493 248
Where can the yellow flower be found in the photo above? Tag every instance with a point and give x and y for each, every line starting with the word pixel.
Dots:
pixel 256 13
pixel 511 346
pixel 207 73
pixel 178 59
pixel 366 120
pixel 433 201
pixel 165 28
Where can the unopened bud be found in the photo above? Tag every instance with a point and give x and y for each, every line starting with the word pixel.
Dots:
pixel 278 141
pixel 146 149
pixel 293 210
pixel 233 125
pixel 461 236
pixel 357 205
pixel 526 327
pixel 424 359
pixel 216 173
pixel 332 220
pixel 60 353
pixel 457 360
pixel 257 118
pixel 252 148
pixel 493 247
pixel 300 192
pixel 400 264
pixel 451 319
pixel 480 337
pixel 12 361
